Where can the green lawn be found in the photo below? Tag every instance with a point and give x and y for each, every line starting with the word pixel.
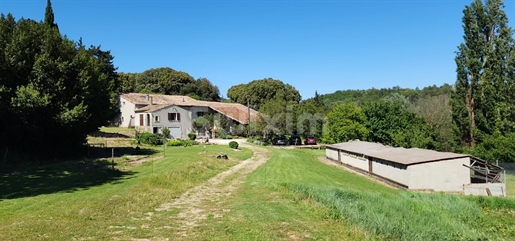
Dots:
pixel 81 200
pixel 294 196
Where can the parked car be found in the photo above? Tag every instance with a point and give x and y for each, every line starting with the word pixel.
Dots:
pixel 310 140
pixel 280 140
pixel 295 140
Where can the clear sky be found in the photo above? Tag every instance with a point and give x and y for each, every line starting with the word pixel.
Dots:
pixel 323 45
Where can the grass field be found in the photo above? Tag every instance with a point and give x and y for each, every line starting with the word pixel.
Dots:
pixel 292 197
pixel 296 197
pixel 76 200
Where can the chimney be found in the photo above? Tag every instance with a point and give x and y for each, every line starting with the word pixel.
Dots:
pixel 182 99
pixel 150 100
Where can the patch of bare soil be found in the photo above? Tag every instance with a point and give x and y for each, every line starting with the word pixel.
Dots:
pixel 208 199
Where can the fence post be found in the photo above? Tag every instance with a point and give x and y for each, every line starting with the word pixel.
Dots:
pixel 112 156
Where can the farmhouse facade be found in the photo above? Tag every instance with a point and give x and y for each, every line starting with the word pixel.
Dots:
pixel 420 169
pixel 153 112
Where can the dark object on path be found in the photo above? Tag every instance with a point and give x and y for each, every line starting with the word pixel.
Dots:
pixel 221 155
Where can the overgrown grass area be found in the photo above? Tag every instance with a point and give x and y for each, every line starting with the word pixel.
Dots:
pixel 510 185
pixel 71 200
pixel 294 196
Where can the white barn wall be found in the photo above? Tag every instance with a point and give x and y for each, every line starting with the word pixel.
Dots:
pixel 331 154
pixel 446 176
pixel 354 161
pixel 393 171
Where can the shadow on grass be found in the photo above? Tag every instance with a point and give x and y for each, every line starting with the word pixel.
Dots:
pixel 59 177
pixel 67 176
pixel 109 135
pixel 108 152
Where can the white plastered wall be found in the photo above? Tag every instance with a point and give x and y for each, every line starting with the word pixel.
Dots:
pixel 446 175
pixel 393 171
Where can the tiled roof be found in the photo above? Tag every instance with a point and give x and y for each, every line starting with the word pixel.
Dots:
pixel 234 111
pixel 405 156
pixel 144 99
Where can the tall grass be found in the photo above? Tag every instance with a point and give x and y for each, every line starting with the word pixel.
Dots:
pixel 406 216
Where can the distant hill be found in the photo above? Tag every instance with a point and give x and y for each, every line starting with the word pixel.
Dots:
pixel 361 97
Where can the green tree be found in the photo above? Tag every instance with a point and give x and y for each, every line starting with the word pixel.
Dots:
pixel 49 15
pixel 170 82
pixel 436 111
pixel 482 71
pixel 258 92
pixel 346 122
pixel 53 91
pixel 127 82
pixel 390 123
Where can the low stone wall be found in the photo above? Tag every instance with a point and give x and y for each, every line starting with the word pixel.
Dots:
pixel 497 189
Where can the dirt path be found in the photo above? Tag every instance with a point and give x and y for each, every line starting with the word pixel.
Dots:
pixel 208 198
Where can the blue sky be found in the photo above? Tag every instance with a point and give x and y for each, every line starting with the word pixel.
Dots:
pixel 312 45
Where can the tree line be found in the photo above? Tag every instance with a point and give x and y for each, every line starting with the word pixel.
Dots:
pixel 168 81
pixel 54 91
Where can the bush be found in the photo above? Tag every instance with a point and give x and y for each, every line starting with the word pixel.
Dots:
pixel 184 143
pixel 233 145
pixel 175 142
pixel 150 139
pixel 250 140
pixel 192 136
pixel 166 132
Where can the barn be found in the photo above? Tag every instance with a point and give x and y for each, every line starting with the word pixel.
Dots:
pixel 420 169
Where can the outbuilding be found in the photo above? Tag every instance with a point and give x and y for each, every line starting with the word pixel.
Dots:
pixel 420 169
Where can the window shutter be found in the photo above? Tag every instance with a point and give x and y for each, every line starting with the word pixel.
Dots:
pixel 178 117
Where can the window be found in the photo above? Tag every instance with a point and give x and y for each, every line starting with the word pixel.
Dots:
pixel 156 119
pixel 200 113
pixel 174 117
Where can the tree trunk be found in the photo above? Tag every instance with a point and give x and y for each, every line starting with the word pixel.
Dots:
pixel 469 99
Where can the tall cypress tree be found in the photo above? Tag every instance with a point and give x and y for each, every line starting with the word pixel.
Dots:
pixel 49 15
pixel 482 71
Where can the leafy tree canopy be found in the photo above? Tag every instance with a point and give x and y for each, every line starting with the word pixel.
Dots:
pixel 346 122
pixel 389 123
pixel 258 92
pixel 53 91
pixel 170 82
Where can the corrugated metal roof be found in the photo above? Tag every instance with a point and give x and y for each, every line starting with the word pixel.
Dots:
pixel 399 155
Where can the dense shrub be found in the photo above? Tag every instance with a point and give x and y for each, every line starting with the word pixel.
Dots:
pixel 233 145
pixel 225 136
pixel 250 140
pixel 192 135
pixel 175 142
pixel 178 142
pixel 150 139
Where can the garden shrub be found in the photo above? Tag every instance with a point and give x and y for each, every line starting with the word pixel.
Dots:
pixel 192 136
pixel 233 145
pixel 150 139
pixel 175 142
pixel 178 142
